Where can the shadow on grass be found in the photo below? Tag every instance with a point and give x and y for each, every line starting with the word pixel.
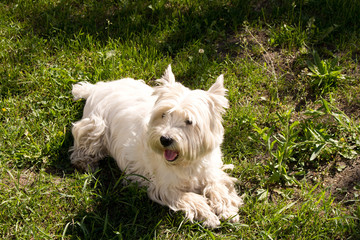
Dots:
pixel 117 210
pixel 172 26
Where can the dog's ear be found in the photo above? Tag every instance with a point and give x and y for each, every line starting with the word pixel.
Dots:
pixel 217 93
pixel 168 76
pixel 218 87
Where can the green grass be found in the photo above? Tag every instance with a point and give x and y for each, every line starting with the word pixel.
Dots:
pixel 292 70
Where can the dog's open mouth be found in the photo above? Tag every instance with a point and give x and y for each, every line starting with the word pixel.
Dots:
pixel 170 155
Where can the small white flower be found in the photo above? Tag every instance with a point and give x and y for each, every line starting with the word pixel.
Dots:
pixel 110 54
pixel 201 51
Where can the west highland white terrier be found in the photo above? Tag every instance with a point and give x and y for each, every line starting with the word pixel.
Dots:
pixel 168 134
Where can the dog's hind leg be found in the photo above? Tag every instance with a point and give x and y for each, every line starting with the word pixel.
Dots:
pixel 89 143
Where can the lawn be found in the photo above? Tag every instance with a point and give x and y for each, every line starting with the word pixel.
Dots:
pixel 292 129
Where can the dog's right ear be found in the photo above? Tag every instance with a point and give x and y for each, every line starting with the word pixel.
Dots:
pixel 168 77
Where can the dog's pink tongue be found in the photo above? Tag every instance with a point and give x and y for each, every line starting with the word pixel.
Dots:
pixel 170 155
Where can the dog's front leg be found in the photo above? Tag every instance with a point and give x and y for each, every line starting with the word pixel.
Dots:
pixel 194 205
pixel 223 198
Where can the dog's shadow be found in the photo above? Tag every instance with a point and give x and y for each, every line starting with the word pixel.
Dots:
pixel 112 207
pixel 118 209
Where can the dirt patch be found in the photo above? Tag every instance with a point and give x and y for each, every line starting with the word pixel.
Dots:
pixel 24 179
pixel 21 179
pixel 27 178
pixel 350 103
pixel 254 45
pixel 345 183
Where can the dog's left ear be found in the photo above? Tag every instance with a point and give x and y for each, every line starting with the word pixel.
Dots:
pixel 218 93
pixel 218 87
pixel 168 76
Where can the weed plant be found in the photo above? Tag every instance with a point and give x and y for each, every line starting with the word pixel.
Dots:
pixel 325 74
pixel 298 145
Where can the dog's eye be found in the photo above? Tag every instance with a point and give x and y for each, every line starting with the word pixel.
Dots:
pixel 163 115
pixel 188 122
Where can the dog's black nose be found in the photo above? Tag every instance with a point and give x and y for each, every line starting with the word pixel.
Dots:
pixel 166 141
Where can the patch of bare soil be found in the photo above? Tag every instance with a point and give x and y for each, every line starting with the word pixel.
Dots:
pixel 285 64
pixel 23 179
pixel 27 178
pixel 344 184
pixel 254 45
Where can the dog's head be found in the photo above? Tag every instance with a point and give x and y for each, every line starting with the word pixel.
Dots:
pixel 186 124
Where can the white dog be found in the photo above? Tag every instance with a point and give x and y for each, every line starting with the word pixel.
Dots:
pixel 168 134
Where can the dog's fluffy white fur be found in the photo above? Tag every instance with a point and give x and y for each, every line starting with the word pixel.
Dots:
pixel 168 134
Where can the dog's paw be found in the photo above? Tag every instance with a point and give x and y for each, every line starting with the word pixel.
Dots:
pixel 229 216
pixel 212 221
pixel 235 218
pixel 228 212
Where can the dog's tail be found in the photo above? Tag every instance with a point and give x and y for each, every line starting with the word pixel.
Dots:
pixel 82 90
